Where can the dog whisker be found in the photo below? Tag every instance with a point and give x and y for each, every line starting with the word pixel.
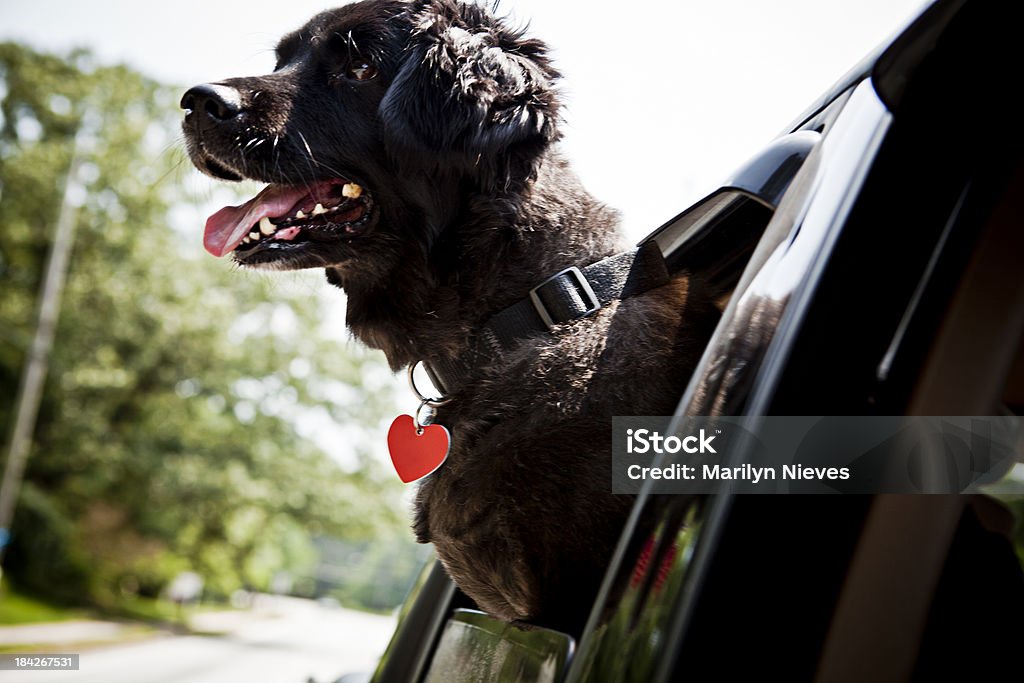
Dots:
pixel 310 159
pixel 301 176
pixel 306 145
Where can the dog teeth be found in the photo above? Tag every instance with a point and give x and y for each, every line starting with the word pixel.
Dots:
pixel 254 235
pixel 246 240
pixel 351 190
pixel 266 227
pixel 299 214
pixel 319 209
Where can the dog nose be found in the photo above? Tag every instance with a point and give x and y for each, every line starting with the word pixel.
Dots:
pixel 212 103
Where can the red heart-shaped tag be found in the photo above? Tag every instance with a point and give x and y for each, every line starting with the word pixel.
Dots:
pixel 416 455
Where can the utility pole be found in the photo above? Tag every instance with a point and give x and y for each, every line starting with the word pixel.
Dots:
pixel 30 390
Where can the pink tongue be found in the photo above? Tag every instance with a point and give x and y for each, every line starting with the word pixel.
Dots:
pixel 226 228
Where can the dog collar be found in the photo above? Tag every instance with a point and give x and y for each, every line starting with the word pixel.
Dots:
pixel 568 295
pixel 417 445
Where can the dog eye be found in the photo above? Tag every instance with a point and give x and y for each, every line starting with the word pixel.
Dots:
pixel 361 70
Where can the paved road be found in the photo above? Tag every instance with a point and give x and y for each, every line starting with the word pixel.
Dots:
pixel 286 641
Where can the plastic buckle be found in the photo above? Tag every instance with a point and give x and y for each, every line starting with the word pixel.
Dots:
pixel 582 286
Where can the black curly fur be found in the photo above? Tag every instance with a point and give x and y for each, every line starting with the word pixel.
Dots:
pixel 456 139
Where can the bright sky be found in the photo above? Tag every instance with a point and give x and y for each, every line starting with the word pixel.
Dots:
pixel 664 98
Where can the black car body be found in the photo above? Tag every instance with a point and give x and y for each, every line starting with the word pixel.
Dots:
pixel 875 254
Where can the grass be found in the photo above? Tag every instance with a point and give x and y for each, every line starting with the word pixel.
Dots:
pixel 145 609
pixel 140 618
pixel 18 608
pixel 145 617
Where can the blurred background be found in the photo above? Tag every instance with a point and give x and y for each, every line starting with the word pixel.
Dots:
pixel 208 453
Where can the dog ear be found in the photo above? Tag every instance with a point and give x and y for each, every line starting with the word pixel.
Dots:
pixel 469 86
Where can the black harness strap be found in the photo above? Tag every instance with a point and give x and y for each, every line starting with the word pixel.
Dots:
pixel 565 296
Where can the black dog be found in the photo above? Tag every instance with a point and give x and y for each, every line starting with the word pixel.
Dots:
pixel 409 151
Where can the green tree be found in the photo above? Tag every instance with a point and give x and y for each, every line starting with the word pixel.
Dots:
pixel 169 433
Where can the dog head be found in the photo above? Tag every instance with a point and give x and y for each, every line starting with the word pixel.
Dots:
pixel 380 119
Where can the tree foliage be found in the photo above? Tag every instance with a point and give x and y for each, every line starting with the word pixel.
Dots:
pixel 169 433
